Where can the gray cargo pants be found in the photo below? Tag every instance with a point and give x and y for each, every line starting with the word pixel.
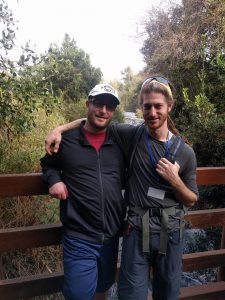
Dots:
pixel 135 268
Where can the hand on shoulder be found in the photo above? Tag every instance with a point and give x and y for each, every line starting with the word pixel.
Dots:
pixel 53 140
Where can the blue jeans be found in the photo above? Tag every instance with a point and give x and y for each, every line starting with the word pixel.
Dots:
pixel 88 267
pixel 135 268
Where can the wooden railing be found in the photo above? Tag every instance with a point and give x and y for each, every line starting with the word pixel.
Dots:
pixel 46 235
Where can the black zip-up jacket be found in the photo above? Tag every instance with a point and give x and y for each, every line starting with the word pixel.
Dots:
pixel 95 208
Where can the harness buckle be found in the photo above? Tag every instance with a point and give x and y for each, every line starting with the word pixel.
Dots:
pixel 155 212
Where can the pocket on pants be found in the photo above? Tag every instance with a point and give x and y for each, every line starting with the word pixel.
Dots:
pixel 174 237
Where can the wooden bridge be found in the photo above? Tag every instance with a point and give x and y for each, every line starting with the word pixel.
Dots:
pixel 45 235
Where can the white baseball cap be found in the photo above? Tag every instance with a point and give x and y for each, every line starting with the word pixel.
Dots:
pixel 104 89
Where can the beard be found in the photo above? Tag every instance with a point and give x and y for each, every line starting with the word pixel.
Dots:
pixel 155 123
pixel 98 126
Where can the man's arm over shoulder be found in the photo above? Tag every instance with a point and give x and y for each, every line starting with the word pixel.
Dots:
pixel 124 135
pixel 53 139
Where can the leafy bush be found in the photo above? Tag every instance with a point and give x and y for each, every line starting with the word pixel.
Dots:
pixel 21 153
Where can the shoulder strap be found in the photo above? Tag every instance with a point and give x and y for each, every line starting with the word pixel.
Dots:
pixel 180 142
pixel 120 144
pixel 179 145
pixel 134 144
pixel 136 139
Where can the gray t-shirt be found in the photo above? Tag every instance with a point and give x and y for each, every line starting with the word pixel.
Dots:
pixel 143 176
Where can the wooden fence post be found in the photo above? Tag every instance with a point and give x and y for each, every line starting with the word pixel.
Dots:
pixel 221 273
pixel 1 267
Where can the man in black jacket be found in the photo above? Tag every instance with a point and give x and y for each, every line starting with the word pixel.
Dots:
pixel 87 175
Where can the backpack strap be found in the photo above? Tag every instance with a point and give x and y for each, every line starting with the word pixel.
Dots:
pixel 135 139
pixel 179 144
pixel 120 144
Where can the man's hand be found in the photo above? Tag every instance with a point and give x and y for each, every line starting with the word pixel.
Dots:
pixel 168 170
pixel 53 140
pixel 59 191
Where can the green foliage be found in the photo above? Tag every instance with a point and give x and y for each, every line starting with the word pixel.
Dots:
pixel 15 92
pixel 22 153
pixel 7 34
pixel 18 102
pixel 63 73
pixel 184 40
pixel 50 210
pixel 18 90
pixel 118 115
pixel 74 110
pixel 215 80
pixel 204 125
pixel 182 34
pixel 67 71
pixel 201 110
pixel 211 197
pixel 129 90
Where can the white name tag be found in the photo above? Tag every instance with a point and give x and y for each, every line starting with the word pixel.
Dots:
pixel 156 193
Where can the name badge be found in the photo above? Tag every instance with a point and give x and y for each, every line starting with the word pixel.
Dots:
pixel 156 193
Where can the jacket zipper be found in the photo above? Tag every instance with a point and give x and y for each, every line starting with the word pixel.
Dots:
pixel 102 197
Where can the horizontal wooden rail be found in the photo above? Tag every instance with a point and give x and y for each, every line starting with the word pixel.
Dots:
pixel 203 260
pixel 30 286
pixel 211 175
pixel 48 235
pixel 30 237
pixel 24 287
pixel 28 184
pixel 210 291
pixel 51 234
pixel 22 185
pixel 206 218
pixel 13 185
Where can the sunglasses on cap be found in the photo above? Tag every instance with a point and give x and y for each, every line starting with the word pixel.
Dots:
pixel 161 80
pixel 100 103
